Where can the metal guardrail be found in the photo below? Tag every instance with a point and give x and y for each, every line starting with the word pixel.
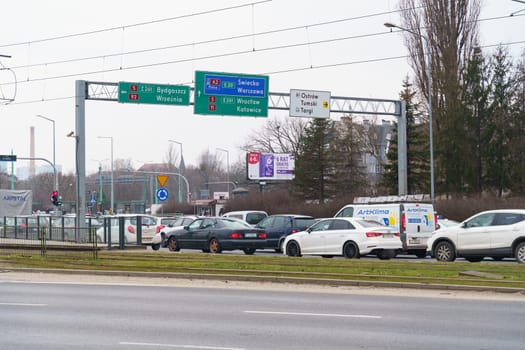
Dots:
pixel 45 233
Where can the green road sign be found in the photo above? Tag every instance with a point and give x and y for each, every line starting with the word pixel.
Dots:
pixel 153 94
pixel 231 94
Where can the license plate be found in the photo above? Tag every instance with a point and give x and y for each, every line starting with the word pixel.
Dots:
pixel 413 241
pixel 250 235
pixel 388 235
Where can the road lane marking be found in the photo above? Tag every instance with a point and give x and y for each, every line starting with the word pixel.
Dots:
pixel 21 304
pixel 202 347
pixel 311 314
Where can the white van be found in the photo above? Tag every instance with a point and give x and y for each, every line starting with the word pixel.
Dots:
pixel 250 216
pixel 415 221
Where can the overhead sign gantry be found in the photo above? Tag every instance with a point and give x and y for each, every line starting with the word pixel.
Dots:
pixel 228 94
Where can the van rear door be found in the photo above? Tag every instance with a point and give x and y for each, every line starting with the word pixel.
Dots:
pixel 418 225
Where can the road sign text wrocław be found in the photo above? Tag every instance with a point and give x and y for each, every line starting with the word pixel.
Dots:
pixel 231 94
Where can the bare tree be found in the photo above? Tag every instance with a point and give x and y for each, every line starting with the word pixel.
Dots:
pixel 171 158
pixel 451 28
pixel 277 136
pixel 444 32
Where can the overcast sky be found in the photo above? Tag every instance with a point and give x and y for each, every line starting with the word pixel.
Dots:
pixel 46 70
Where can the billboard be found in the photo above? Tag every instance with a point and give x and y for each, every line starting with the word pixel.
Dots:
pixel 270 166
pixel 14 203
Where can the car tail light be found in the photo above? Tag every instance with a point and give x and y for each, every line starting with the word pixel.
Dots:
pixel 397 234
pixel 236 235
pixel 160 227
pixel 374 234
pixel 403 222
pixel 262 235
pixel 293 231
pixel 436 223
pixel 131 229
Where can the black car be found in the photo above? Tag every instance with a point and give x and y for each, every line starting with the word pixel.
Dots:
pixel 215 234
pixel 277 227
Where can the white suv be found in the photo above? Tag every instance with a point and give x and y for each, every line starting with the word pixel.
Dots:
pixel 496 233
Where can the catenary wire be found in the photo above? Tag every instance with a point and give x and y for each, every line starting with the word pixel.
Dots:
pixel 68 36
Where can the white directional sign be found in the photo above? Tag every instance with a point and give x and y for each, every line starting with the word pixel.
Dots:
pixel 310 104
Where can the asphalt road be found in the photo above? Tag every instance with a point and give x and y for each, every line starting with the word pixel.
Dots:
pixel 82 312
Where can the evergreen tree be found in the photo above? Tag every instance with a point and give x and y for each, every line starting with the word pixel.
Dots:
pixel 314 167
pixel 499 162
pixel 518 128
pixel 418 167
pixel 476 102
pixel 350 173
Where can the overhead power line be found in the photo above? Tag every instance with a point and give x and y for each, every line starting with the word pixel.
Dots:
pixel 290 70
pixel 97 31
pixel 242 36
pixel 209 41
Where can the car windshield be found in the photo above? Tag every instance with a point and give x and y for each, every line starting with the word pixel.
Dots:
pixel 235 224
pixel 167 221
pixel 254 218
pixel 305 222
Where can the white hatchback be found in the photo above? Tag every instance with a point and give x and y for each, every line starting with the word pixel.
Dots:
pixel 495 233
pixel 344 236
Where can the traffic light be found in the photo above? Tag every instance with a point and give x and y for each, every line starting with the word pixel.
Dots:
pixel 55 199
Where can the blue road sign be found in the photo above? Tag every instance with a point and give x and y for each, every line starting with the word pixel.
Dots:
pixel 228 85
pixel 162 194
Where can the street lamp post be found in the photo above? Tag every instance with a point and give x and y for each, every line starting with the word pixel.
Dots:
pixel 429 78
pixel 54 160
pixel 180 170
pixel 227 167
pixel 112 198
pixel 78 210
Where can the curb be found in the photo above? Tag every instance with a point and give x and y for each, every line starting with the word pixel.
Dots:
pixel 292 280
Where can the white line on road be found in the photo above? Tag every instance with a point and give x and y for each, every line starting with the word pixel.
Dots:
pixel 21 304
pixel 179 346
pixel 310 314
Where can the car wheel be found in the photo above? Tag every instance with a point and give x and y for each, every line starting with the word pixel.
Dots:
pixel 474 258
pixel 444 251
pixel 386 254
pixel 155 246
pixel 173 245
pixel 293 249
pixel 350 251
pixel 214 246
pixel 519 253
pixel 249 251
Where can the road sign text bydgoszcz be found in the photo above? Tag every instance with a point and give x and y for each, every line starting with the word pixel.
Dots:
pixel 231 94
pixel 153 94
